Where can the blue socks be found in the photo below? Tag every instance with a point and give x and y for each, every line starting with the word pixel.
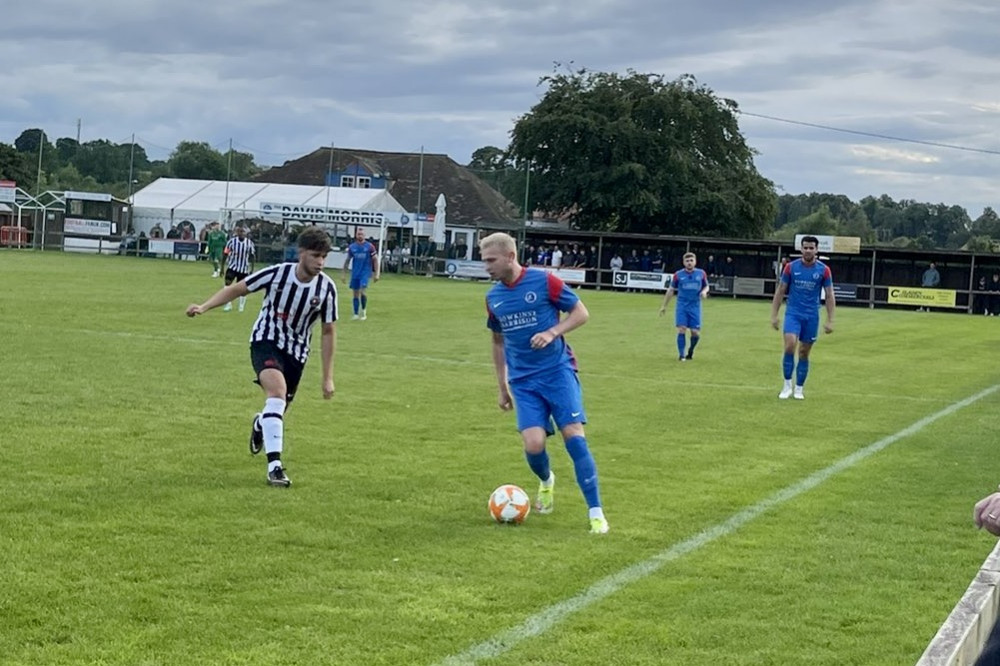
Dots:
pixel 694 343
pixel 539 464
pixel 801 371
pixel 586 470
pixel 355 302
pixel 680 344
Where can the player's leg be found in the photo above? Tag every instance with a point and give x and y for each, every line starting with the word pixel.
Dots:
pixel 364 300
pixel 229 279
pixel 694 325
pixel 269 363
pixel 791 339
pixel 566 400
pixel 681 341
pixel 356 296
pixel 807 337
pixel 243 299
pixel 534 423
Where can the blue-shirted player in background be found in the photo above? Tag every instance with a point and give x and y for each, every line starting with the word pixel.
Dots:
pixel 803 280
pixel 536 369
pixel 362 257
pixel 691 285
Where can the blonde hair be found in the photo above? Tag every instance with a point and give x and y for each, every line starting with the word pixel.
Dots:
pixel 503 242
pixel 689 254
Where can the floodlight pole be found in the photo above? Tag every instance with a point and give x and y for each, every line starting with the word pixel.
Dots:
pixel 527 182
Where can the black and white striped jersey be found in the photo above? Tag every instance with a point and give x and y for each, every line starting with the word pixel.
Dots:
pixel 240 252
pixel 291 307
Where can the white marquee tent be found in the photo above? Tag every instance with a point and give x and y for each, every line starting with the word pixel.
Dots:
pixel 169 201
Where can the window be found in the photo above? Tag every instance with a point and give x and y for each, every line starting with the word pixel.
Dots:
pixel 347 181
pixel 364 182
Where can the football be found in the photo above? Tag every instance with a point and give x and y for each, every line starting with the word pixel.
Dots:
pixel 509 504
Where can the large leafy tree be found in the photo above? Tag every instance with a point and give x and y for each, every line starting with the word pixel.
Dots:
pixel 197 159
pixel 16 166
pixel 639 153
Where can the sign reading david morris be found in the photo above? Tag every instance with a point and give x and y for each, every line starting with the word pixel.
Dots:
pixel 939 298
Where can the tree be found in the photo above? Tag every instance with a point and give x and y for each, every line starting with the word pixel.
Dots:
pixel 641 154
pixel 987 224
pixel 197 159
pixel 16 166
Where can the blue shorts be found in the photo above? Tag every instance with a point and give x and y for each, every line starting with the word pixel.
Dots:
pixel 552 396
pixel 804 327
pixel 359 283
pixel 689 317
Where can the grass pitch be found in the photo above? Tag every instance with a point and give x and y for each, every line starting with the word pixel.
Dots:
pixel 137 529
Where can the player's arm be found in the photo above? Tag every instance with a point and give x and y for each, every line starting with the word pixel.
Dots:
pixel 704 285
pixel 221 297
pixel 666 298
pixel 831 308
pixel 347 263
pixel 327 348
pixel 779 296
pixel 376 266
pixel 500 365
pixel 576 318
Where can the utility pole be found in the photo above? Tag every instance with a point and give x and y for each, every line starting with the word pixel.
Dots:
pixel 329 174
pixel 527 182
pixel 420 181
pixel 79 121
pixel 38 177
pixel 229 169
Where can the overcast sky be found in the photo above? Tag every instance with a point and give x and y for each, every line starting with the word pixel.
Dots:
pixel 283 77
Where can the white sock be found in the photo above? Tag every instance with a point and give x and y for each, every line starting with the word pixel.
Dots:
pixel 552 479
pixel 271 465
pixel 788 383
pixel 273 426
pixel 243 301
pixel 596 512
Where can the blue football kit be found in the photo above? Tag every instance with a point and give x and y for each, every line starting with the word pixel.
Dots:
pixel 361 263
pixel 804 284
pixel 543 382
pixel 688 285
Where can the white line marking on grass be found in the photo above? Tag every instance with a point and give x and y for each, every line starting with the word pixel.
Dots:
pixel 544 620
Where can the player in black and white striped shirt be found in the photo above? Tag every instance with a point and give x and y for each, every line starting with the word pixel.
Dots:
pixel 239 261
pixel 295 296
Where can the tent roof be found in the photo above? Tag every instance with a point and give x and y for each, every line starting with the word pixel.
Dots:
pixel 189 194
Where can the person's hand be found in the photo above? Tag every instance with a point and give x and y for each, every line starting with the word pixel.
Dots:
pixel 986 514
pixel 828 327
pixel 774 323
pixel 663 310
pixel 377 277
pixel 193 310
pixel 542 340
pixel 504 400
pixel 328 388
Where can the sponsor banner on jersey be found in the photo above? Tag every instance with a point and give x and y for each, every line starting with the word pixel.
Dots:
pixel 278 212
pixel 642 280
pixel 840 244
pixel 8 191
pixel 75 225
pixel 941 298
pixel 460 268
pixel 567 275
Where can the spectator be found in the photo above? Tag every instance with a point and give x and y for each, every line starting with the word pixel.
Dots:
pixel 729 268
pixel 658 262
pixel 994 290
pixel 980 300
pixel 710 266
pixel 632 261
pixel 931 279
pixel 174 232
pixel 557 257
pixel 156 231
pixel 646 262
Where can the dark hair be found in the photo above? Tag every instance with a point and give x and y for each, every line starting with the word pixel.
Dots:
pixel 810 239
pixel 314 239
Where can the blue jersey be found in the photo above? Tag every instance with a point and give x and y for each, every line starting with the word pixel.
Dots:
pixel 688 285
pixel 804 285
pixel 518 311
pixel 361 259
